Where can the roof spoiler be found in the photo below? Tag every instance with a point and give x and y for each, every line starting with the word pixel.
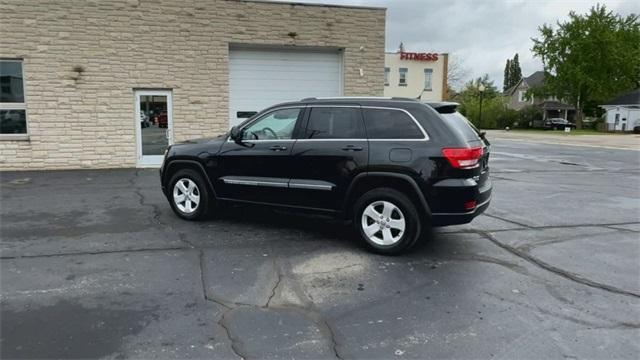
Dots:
pixel 444 107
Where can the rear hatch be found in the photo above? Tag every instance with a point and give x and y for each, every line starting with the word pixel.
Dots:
pixel 461 125
pixel 472 161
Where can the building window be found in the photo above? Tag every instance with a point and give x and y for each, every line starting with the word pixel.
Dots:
pixel 428 76
pixel 521 96
pixel 13 110
pixel 403 77
pixel 386 76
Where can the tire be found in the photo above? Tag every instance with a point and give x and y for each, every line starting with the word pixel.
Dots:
pixel 384 201
pixel 197 192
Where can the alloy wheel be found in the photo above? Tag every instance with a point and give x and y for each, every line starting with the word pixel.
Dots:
pixel 383 223
pixel 186 195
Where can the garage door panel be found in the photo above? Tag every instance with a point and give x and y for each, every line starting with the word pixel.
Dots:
pixel 258 79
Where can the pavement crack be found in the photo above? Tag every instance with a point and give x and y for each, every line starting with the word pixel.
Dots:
pixel 224 304
pixel 555 270
pixel 509 221
pixel 234 340
pixel 332 338
pixel 80 253
pixel 276 285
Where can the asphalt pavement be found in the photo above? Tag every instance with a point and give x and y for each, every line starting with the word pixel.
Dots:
pixel 95 265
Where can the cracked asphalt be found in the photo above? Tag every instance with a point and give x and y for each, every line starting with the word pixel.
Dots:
pixel 95 265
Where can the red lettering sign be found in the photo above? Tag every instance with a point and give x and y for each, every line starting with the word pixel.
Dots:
pixel 418 56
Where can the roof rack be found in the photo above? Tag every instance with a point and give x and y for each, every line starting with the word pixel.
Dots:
pixel 359 98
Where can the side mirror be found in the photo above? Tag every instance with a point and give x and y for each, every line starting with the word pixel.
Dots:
pixel 236 134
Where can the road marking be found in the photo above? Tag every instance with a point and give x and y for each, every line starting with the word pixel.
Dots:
pixel 529 141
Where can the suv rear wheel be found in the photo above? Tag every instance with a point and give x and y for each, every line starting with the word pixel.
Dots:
pixel 189 195
pixel 387 221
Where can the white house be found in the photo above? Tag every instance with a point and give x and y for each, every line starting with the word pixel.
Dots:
pixel 623 112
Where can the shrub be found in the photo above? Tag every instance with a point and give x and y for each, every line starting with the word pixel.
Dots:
pixel 530 116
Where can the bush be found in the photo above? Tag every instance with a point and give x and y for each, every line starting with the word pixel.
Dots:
pixel 494 113
pixel 530 116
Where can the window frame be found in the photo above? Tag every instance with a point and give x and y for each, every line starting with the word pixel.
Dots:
pixel 259 116
pixel 402 76
pixel 387 72
pixel 17 106
pixel 430 77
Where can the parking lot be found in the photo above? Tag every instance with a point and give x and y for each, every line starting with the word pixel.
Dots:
pixel 95 264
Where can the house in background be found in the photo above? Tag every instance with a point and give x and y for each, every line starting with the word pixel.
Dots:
pixel 550 106
pixel 623 112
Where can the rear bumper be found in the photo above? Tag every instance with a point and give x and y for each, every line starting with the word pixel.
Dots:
pixel 480 193
pixel 444 219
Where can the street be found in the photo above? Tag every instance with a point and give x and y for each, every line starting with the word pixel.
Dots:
pixel 94 264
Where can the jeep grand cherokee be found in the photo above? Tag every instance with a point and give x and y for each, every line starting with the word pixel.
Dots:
pixel 391 165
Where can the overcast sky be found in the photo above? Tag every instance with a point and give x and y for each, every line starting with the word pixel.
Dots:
pixel 480 34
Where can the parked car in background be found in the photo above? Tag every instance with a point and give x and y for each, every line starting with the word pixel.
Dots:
pixel 557 124
pixel 161 119
pixel 144 120
pixel 392 166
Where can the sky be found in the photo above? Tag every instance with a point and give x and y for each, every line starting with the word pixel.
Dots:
pixel 480 35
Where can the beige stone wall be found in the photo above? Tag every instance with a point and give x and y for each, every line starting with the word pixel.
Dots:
pixel 157 44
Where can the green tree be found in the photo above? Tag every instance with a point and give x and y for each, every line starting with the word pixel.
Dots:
pixel 590 58
pixel 494 112
pixel 506 82
pixel 515 73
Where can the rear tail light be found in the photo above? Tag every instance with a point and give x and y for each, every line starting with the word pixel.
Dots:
pixel 470 205
pixel 463 158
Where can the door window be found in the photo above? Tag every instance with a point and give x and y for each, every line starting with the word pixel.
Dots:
pixel 335 123
pixel 154 124
pixel 277 125
pixel 390 124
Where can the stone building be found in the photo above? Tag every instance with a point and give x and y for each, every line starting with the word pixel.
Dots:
pixel 108 84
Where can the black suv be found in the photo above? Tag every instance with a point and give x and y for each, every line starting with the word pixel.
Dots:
pixel 391 165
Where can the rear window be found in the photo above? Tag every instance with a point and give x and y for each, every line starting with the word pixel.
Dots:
pixel 460 124
pixel 390 124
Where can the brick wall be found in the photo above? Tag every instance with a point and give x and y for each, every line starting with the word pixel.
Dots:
pixel 88 122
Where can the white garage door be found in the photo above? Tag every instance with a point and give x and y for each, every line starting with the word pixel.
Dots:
pixel 261 78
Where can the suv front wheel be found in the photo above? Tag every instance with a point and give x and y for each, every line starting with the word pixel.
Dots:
pixel 387 221
pixel 189 195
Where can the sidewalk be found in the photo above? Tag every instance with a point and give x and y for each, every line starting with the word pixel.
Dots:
pixel 607 141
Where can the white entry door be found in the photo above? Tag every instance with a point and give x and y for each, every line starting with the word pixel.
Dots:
pixel 259 78
pixel 154 125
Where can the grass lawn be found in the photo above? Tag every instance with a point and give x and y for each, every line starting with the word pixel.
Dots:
pixel 561 132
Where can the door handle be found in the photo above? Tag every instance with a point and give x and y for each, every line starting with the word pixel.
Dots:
pixel 352 148
pixel 278 148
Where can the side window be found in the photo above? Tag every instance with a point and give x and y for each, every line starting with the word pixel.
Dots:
pixel 390 124
pixel 335 123
pixel 13 114
pixel 386 76
pixel 277 125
